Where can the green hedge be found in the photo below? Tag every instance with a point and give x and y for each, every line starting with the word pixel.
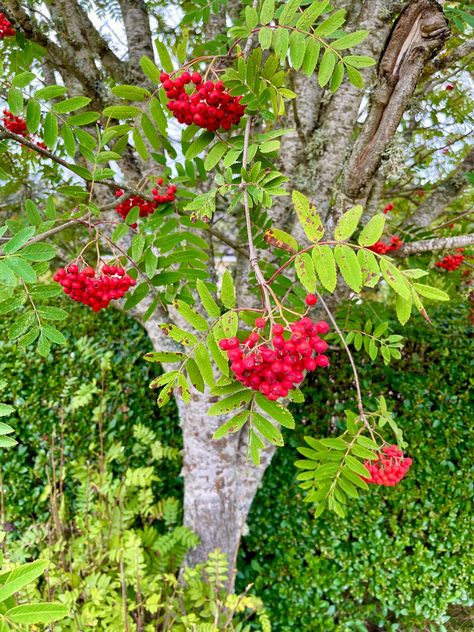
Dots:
pixel 41 390
pixel 403 554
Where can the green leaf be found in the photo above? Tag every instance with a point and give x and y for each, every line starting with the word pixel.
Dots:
pixel 50 92
pixel 355 77
pixel 53 334
pixel 10 304
pixel 359 61
pixel 150 131
pixel 255 444
pixel 267 11
pixel 403 308
pixel 18 240
pixel 372 231
pixel 356 466
pixel 332 24
pixel 34 613
pixel 178 334
pixel 214 155
pixel 267 429
pixel 289 11
pixel 349 266
pixel 281 41
pixel 199 144
pixel 347 223
pixel 297 48
pixel 69 105
pixel 217 354
pixel 164 56
pixel 326 67
pixel 21 268
pixel 325 265
pixel 193 318
pixel 265 36
pixel 194 375
pixel 350 40
pixel 131 93
pixel 432 293
pixel 226 405
pixel 281 239
pixel 353 477
pixel 305 271
pixel 50 130
pixel 15 101
pixel 23 79
pixel 311 56
pixel 164 356
pixel 6 410
pixel 228 290
pixel 276 411
pixel 395 278
pixel 38 252
pixel 369 267
pixel 207 300
pixel 5 429
pixel 367 443
pixel 122 111
pixel 308 217
pixel 311 14
pixel 48 312
pixel 84 118
pixel 233 425
pixel 337 76
pixel 33 115
pixel 150 70
pixel 203 361
pixel 20 577
pixel 7 442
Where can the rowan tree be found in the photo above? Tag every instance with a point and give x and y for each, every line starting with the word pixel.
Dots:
pixel 237 170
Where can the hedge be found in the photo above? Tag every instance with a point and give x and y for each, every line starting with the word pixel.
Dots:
pixel 404 554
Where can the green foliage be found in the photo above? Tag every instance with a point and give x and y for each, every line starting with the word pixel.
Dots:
pixel 99 374
pixel 401 556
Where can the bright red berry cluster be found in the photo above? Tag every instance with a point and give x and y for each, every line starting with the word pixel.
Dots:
pixel 382 248
pixel 146 207
pixel 451 262
pixel 273 367
pixel 14 124
pixel 92 288
pixel 207 104
pixel 388 208
pixel 6 27
pixel 389 468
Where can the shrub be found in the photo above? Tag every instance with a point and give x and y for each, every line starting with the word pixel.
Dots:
pixel 58 399
pixel 404 554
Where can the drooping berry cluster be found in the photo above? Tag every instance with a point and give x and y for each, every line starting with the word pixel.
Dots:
pixel 6 27
pixel 389 468
pixel 273 367
pixel 388 208
pixel 451 262
pixel 382 248
pixel 14 124
pixel 146 207
pixel 95 289
pixel 207 104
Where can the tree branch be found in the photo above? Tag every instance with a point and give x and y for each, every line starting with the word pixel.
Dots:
pixel 449 58
pixel 418 33
pixel 444 194
pixel 437 243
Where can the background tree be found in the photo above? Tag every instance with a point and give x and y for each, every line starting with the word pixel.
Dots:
pixel 339 144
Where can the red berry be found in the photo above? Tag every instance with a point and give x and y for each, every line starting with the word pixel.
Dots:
pixel 311 299
pixel 260 323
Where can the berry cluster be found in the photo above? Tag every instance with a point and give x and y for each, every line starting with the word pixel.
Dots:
pixel 389 468
pixel 382 248
pixel 207 104
pixel 94 289
pixel 451 262
pixel 14 124
pixel 146 207
pixel 388 208
pixel 273 367
pixel 6 27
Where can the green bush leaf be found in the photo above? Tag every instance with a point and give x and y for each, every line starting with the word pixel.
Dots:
pixel 395 278
pixel 276 411
pixel 267 11
pixel 326 67
pixel 432 293
pixel 199 144
pixel 20 577
pixel 325 265
pixel 34 613
pixel 228 290
pixel 69 105
pixel 214 155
